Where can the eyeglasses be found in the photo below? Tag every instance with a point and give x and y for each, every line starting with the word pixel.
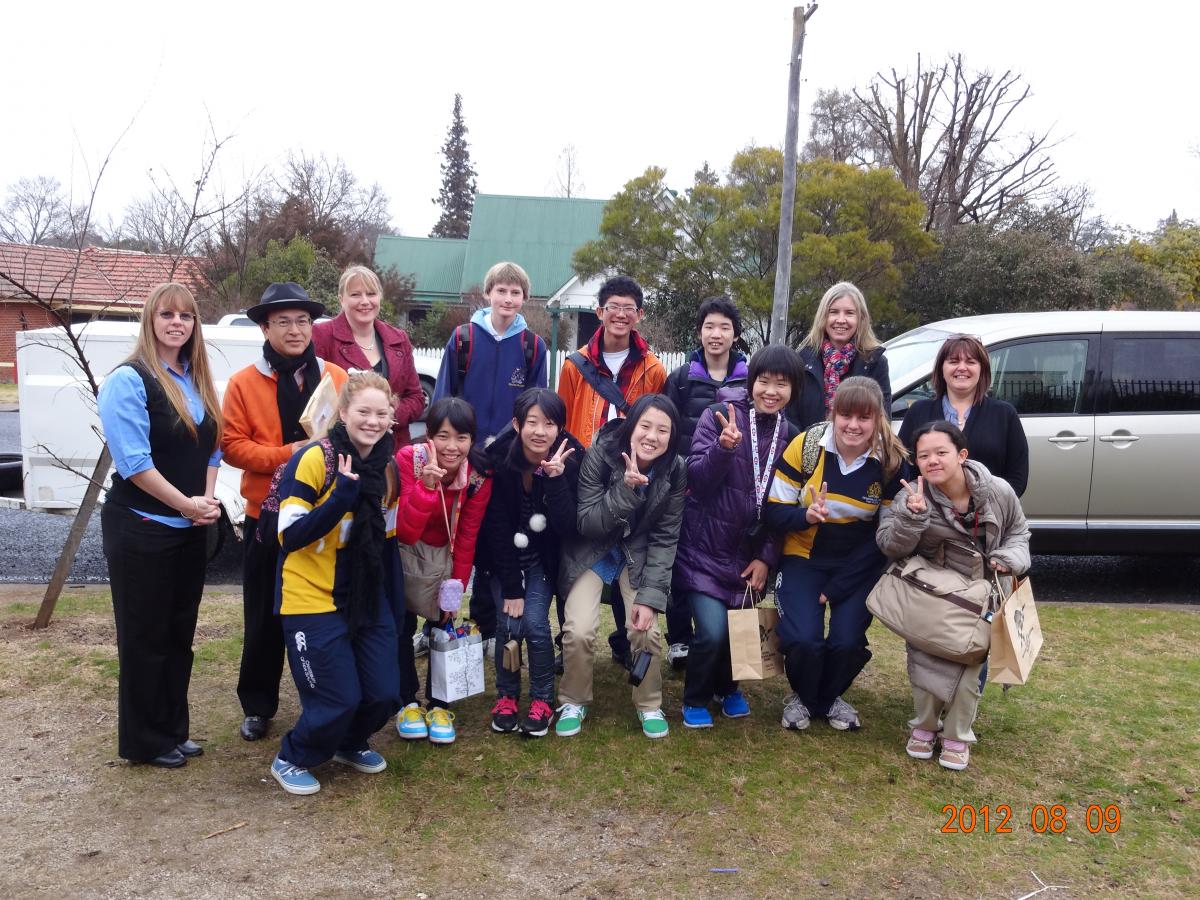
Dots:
pixel 288 324
pixel 620 310
pixel 167 315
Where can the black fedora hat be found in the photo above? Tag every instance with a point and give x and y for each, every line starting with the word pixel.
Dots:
pixel 284 295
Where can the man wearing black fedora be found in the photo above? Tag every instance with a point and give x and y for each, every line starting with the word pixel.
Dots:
pixel 262 409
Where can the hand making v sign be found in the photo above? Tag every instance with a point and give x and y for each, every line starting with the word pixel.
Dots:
pixel 557 464
pixel 730 436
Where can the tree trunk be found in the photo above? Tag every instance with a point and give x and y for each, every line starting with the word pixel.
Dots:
pixel 74 538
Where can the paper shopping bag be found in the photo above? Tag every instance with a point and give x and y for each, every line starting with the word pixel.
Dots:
pixel 1016 637
pixel 321 408
pixel 456 668
pixel 754 643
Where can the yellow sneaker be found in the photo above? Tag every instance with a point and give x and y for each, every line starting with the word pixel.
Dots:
pixel 441 725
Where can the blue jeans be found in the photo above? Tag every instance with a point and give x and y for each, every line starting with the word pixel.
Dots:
pixel 820 668
pixel 348 684
pixel 708 672
pixel 532 626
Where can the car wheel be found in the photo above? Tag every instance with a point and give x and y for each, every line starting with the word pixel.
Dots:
pixel 10 471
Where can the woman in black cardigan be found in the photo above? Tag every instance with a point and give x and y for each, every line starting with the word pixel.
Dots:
pixel 962 374
pixel 840 344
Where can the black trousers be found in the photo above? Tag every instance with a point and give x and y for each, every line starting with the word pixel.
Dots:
pixel 262 640
pixel 156 574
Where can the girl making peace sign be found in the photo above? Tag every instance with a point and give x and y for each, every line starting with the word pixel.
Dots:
pixel 724 548
pixel 631 493
pixel 444 492
pixel 535 478
pixel 827 493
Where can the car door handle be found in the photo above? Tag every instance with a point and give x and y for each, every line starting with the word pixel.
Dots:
pixel 1119 438
pixel 1069 439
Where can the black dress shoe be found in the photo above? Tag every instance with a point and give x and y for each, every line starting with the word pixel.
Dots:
pixel 190 748
pixel 172 759
pixel 254 728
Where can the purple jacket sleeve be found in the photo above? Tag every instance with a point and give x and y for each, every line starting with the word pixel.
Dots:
pixel 708 462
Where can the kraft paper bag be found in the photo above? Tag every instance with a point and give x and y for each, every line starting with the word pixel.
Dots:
pixel 321 408
pixel 1016 637
pixel 456 668
pixel 754 643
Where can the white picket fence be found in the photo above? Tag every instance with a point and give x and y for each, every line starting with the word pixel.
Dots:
pixel 671 360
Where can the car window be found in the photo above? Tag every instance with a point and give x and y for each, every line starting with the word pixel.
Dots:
pixel 1041 376
pixel 1155 374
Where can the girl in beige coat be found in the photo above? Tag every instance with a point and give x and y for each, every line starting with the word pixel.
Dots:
pixel 958 516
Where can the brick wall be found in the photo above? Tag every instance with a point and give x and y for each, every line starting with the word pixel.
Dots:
pixel 14 317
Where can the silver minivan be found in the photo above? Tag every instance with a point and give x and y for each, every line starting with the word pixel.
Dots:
pixel 1110 403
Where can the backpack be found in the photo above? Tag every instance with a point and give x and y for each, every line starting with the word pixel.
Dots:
pixel 810 450
pixel 463 341
pixel 268 519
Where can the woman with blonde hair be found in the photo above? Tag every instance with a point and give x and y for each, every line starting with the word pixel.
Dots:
pixel 839 345
pixel 162 422
pixel 828 490
pixel 359 341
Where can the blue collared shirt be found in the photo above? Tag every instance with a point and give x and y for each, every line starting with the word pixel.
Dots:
pixel 950 414
pixel 126 423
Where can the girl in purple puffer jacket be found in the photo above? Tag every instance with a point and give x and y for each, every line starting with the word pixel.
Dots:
pixel 723 545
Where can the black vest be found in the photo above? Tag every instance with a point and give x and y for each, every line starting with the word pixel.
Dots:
pixel 179 459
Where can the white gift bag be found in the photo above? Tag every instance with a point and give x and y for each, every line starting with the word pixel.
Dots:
pixel 456 668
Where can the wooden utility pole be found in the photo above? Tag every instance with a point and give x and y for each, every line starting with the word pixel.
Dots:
pixel 783 262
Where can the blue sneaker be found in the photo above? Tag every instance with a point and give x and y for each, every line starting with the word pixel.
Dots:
pixel 735 706
pixel 293 779
pixel 441 725
pixel 410 723
pixel 697 717
pixel 362 760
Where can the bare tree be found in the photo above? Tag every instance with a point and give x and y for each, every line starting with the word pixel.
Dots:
pixel 331 196
pixel 568 181
pixel 35 211
pixel 177 220
pixel 56 293
pixel 839 131
pixel 948 133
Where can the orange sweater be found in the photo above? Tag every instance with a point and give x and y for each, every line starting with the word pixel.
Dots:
pixel 587 411
pixel 252 438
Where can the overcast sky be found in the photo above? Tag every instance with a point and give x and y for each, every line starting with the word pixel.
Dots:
pixel 630 84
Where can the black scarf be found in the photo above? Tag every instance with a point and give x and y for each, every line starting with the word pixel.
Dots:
pixel 364 548
pixel 289 396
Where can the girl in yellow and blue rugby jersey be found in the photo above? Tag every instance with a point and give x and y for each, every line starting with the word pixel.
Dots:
pixel 827 505
pixel 338 571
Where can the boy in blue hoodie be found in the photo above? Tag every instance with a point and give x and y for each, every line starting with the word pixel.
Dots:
pixel 489 363
pixel 494 359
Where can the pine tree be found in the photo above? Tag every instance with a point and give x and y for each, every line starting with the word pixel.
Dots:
pixel 457 196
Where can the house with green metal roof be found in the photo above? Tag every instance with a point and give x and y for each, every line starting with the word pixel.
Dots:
pixel 538 233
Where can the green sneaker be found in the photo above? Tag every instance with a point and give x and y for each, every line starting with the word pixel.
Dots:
pixel 570 719
pixel 654 723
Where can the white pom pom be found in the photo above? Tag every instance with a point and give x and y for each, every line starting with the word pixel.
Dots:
pixel 537 522
pixel 521 540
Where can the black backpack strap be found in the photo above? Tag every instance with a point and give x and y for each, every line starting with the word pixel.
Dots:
pixel 462 356
pixel 605 387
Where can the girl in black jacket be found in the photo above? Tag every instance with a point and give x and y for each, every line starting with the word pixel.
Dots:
pixel 532 509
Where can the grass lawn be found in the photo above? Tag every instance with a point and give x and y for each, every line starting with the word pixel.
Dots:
pixel 1111 720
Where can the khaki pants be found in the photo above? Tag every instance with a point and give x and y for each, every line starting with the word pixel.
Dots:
pixel 957 716
pixel 582 621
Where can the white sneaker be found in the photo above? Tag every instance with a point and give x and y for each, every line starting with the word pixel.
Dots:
pixel 842 716
pixel 795 713
pixel 677 655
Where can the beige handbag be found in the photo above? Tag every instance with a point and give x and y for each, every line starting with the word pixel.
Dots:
pixel 426 566
pixel 935 609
